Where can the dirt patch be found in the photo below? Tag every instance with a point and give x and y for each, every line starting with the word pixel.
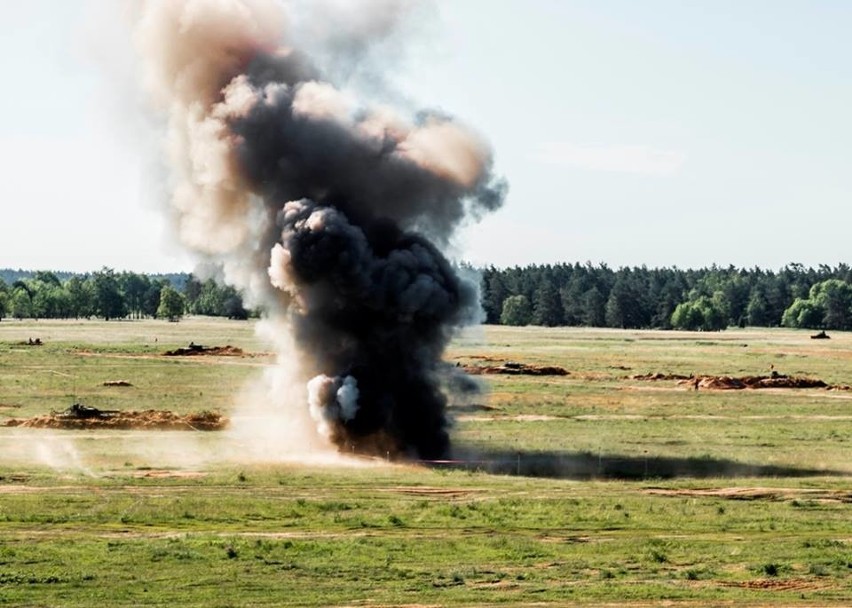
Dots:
pixel 518 418
pixel 512 368
pixel 757 493
pixel 127 420
pixel 659 376
pixel 27 489
pixel 9 406
pixel 167 474
pixel 779 584
pixel 470 407
pixel 116 383
pixel 431 491
pixel 775 380
pixel 197 350
pixel 572 539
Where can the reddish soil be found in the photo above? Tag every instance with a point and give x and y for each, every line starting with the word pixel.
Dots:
pixel 145 420
pixel 743 382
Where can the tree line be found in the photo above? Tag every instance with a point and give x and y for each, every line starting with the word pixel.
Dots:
pixel 549 295
pixel 108 294
pixel 668 298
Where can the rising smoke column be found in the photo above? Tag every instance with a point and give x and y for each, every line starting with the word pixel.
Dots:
pixel 327 211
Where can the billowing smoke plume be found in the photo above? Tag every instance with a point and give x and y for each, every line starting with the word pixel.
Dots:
pixel 326 211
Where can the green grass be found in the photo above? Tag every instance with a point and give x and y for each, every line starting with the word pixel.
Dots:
pixel 78 357
pixel 630 492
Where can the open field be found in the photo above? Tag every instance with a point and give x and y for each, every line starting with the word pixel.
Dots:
pixel 589 488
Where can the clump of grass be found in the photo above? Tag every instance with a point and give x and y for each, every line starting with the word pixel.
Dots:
pixel 656 552
pixel 658 556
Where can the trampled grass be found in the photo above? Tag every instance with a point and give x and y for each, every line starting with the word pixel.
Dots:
pixel 588 488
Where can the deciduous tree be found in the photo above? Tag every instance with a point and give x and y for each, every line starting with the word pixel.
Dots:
pixel 172 304
pixel 517 310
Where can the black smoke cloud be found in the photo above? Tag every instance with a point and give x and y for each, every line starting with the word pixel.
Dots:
pixel 376 304
pixel 334 212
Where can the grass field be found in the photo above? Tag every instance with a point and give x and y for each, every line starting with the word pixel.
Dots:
pixel 590 488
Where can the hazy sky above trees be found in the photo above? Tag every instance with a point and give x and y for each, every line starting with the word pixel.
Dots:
pixel 658 132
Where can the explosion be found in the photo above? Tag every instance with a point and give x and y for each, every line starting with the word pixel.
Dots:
pixel 328 212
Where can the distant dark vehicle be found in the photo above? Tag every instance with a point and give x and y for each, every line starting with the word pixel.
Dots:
pixel 85 412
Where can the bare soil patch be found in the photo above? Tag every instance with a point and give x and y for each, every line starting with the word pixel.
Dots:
pixel 659 376
pixel 197 350
pixel 470 407
pixel 516 418
pixel 709 382
pixel 512 368
pixel 431 491
pixel 757 493
pixel 28 489
pixel 168 474
pixel 91 418
pixel 779 584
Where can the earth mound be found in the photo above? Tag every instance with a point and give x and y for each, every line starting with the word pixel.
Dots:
pixel 659 376
pixel 197 350
pixel 775 380
pixel 516 369
pixel 117 383
pixel 84 417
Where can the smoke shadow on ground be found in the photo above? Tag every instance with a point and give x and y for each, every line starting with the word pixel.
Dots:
pixel 587 465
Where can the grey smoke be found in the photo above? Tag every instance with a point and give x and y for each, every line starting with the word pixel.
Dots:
pixel 329 211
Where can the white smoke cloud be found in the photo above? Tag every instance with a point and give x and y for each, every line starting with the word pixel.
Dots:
pixel 347 398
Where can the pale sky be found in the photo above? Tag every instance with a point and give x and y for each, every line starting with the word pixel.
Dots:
pixel 657 132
